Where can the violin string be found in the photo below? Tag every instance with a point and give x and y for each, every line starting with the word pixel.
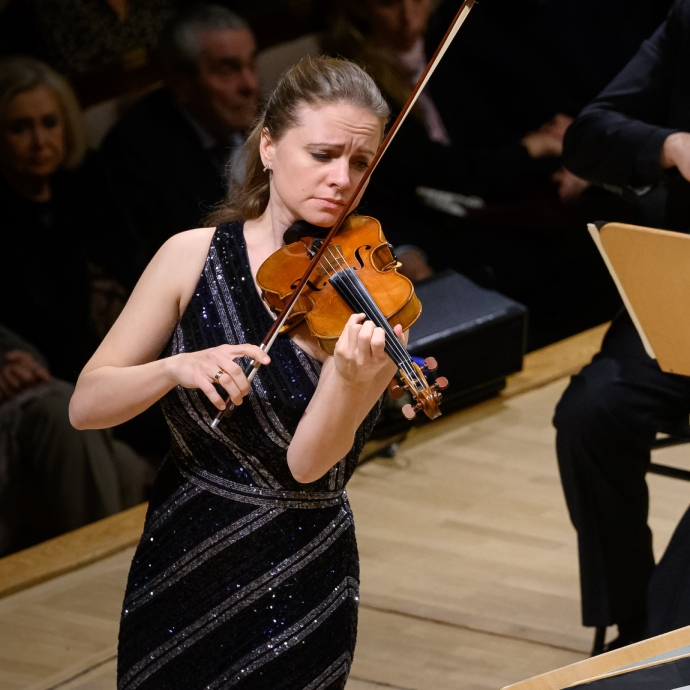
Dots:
pixel 356 286
pixel 398 349
pixel 404 356
pixel 358 291
pixel 361 296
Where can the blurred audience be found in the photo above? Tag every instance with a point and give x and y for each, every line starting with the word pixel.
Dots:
pixel 61 229
pixel 388 36
pixel 68 256
pixel 486 206
pixel 54 478
pixel 77 38
pixel 521 63
pixel 169 154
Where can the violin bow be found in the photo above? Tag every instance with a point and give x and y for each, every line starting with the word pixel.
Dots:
pixel 253 366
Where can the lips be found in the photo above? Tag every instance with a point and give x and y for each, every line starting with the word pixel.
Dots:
pixel 332 203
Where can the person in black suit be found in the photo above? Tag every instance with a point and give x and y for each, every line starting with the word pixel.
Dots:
pixel 169 154
pixel 634 137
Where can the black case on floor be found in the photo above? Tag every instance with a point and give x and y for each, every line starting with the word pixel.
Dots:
pixel 476 335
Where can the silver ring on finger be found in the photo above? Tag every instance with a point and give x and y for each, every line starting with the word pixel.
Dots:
pixel 219 374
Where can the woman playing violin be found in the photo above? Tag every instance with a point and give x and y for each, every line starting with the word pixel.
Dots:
pixel 246 575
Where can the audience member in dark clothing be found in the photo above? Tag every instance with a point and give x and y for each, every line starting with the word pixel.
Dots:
pixel 517 63
pixel 57 216
pixel 67 256
pixel 634 136
pixel 169 153
pixel 80 37
pixel 54 478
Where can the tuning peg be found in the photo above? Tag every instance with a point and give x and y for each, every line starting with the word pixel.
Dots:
pixel 395 390
pixel 441 383
pixel 409 411
pixel 430 364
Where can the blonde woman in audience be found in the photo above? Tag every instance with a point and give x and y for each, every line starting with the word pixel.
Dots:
pixel 57 210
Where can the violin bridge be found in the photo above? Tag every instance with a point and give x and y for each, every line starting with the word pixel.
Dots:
pixel 332 261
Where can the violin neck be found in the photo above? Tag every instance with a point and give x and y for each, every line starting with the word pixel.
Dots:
pixel 349 286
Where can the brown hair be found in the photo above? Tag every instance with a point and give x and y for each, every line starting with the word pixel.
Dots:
pixel 20 74
pixel 312 81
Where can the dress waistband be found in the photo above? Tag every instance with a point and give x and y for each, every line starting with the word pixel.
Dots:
pixel 262 496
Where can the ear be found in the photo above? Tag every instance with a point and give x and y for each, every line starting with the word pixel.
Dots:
pixel 266 148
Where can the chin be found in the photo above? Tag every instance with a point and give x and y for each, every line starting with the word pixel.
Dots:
pixel 42 170
pixel 324 219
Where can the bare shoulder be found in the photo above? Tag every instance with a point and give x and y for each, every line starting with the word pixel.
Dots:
pixel 182 258
pixel 190 246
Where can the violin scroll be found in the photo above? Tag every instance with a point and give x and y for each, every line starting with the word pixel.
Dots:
pixel 427 397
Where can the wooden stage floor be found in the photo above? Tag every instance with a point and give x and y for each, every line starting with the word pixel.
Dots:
pixel 469 569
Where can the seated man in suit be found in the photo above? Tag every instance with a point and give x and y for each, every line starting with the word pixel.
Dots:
pixel 633 137
pixel 169 154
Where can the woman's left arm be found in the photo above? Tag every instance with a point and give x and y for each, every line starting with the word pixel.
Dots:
pixel 350 384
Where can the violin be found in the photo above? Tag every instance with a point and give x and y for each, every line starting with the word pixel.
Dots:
pixel 347 281
pixel 356 274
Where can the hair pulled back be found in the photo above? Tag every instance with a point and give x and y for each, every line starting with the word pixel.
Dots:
pixel 312 81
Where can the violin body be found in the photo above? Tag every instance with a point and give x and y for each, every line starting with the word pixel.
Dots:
pixel 360 246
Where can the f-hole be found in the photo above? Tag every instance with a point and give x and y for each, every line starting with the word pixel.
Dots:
pixel 358 256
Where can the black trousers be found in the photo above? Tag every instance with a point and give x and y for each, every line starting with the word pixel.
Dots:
pixel 606 422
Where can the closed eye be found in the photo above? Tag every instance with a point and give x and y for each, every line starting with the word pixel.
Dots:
pixel 321 156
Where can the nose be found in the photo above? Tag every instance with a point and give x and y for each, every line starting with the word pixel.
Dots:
pixel 39 136
pixel 406 12
pixel 340 174
pixel 250 79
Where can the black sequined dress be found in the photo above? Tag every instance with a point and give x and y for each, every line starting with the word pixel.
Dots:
pixel 243 578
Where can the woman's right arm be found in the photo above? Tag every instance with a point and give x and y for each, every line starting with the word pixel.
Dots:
pixel 124 377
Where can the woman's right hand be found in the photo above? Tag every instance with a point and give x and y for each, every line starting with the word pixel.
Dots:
pixel 199 369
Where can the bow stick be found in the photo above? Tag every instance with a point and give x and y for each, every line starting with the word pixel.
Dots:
pixel 253 366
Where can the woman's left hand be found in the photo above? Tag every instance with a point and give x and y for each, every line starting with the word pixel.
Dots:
pixel 360 351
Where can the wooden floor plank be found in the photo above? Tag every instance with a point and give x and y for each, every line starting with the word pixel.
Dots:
pixel 70 551
pixel 403 652
pixel 56 630
pixel 100 677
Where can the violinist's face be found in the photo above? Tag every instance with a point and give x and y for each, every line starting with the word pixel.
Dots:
pixel 317 164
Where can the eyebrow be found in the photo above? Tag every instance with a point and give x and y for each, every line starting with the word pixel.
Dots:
pixel 331 145
pixel 236 61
